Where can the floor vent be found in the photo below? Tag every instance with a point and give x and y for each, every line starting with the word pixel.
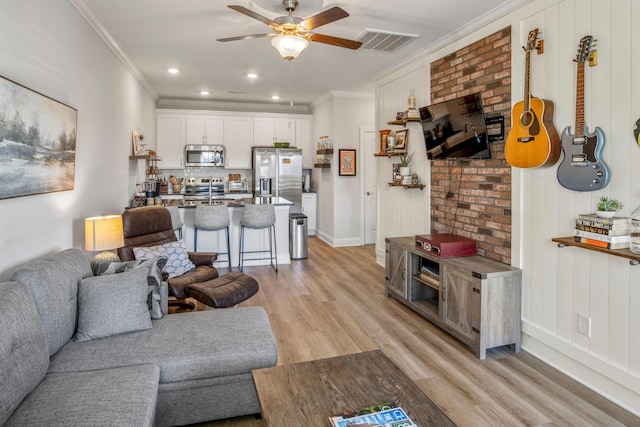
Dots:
pixel 384 41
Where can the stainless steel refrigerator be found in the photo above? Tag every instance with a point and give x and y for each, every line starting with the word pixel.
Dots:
pixel 283 166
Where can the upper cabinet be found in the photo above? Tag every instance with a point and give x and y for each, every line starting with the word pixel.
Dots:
pixel 237 142
pixel 205 129
pixel 238 132
pixel 267 130
pixel 170 139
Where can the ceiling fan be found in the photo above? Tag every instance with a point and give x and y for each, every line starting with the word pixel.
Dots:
pixel 291 34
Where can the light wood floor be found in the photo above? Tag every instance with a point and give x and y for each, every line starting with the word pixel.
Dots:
pixel 333 304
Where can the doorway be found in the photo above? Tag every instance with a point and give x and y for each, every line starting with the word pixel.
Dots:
pixel 369 185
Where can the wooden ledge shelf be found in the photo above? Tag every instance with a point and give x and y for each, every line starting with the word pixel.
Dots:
pixel 634 259
pixel 325 151
pixel 322 165
pixel 403 122
pixel 395 184
pixel 390 153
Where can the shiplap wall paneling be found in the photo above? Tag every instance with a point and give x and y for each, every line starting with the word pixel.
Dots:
pixel 633 163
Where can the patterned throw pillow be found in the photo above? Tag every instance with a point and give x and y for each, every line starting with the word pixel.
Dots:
pixel 154 278
pixel 178 261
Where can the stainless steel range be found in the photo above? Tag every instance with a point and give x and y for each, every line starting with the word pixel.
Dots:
pixel 204 191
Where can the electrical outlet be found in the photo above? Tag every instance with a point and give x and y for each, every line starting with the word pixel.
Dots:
pixel 584 325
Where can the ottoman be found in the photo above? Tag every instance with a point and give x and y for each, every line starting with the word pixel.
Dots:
pixel 224 291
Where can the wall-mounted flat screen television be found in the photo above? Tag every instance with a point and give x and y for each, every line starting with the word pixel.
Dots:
pixel 455 129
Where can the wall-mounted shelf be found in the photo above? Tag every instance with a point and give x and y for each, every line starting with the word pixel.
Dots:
pixel 322 165
pixel 403 122
pixel 390 153
pixel 325 151
pixel 145 157
pixel 395 184
pixel 634 259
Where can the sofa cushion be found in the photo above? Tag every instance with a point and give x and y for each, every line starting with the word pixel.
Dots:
pixel 186 346
pixel 24 355
pixel 178 261
pixel 112 305
pixel 53 283
pixel 154 278
pixel 113 397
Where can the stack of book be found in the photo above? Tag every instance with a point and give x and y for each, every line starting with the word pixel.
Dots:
pixel 609 233
pixel 411 113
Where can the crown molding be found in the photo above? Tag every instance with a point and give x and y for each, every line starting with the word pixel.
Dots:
pixel 342 94
pixel 89 14
pixel 188 104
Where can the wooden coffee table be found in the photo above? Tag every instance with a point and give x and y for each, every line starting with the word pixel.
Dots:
pixel 306 394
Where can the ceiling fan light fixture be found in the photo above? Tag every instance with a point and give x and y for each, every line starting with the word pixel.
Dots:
pixel 289 46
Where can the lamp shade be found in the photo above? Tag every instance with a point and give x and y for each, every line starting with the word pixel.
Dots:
pixel 289 47
pixel 104 232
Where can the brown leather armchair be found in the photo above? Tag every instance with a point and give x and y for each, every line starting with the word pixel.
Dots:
pixel 151 226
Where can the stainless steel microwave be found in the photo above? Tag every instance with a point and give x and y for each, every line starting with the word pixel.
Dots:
pixel 203 155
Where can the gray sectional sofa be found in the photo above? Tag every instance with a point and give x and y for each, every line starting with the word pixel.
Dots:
pixel 179 369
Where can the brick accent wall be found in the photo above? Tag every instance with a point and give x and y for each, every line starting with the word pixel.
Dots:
pixel 481 204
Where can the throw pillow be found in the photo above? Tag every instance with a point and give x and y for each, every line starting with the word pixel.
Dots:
pixel 178 261
pixel 112 305
pixel 154 278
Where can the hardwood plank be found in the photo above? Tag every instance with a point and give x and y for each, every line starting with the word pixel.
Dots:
pixel 333 304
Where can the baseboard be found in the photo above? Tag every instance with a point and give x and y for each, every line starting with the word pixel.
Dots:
pixel 616 384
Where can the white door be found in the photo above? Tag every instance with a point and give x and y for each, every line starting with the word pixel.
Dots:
pixel 368 144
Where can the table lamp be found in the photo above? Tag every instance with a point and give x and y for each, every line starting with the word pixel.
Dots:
pixel 103 233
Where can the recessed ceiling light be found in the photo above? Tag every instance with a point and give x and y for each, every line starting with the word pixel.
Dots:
pixel 252 75
pixel 173 70
pixel 275 97
pixel 204 92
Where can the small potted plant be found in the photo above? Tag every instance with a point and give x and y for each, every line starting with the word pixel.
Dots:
pixel 405 160
pixel 607 207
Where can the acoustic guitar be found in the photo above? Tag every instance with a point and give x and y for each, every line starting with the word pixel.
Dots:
pixel 532 142
pixel 582 168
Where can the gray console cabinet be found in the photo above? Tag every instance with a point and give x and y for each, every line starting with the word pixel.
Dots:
pixel 475 299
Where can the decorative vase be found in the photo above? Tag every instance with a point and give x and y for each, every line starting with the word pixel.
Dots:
pixel 606 214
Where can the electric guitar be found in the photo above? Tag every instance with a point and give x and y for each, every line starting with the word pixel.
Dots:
pixel 582 168
pixel 532 143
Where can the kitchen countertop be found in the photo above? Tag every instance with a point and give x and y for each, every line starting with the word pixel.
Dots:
pixel 276 201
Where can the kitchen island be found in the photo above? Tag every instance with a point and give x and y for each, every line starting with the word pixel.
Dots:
pixel 254 239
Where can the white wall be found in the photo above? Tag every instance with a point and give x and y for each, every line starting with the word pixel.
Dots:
pixel 560 283
pixel 340 115
pixel 47 46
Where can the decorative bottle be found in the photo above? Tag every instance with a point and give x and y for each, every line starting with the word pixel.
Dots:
pixel 634 246
pixel 412 100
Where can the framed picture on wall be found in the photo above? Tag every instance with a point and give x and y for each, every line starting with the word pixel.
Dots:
pixel 37 142
pixel 347 163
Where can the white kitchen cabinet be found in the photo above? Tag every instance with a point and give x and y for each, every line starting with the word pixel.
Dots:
pixel 238 135
pixel 170 138
pixel 309 209
pixel 207 129
pixel 303 140
pixel 267 130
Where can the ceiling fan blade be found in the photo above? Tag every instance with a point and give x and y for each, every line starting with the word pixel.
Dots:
pixel 324 18
pixel 252 14
pixel 335 41
pixel 250 36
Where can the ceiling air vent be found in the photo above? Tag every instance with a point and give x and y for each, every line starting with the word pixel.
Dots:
pixel 384 41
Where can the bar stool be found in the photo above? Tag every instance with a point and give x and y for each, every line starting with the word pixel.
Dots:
pixel 213 218
pixel 259 217
pixel 176 222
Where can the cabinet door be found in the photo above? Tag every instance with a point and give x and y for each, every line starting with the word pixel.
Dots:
pixel 309 209
pixel 461 303
pixel 170 136
pixel 204 130
pixel 285 131
pixel 303 140
pixel 237 142
pixel 263 131
pixel 396 271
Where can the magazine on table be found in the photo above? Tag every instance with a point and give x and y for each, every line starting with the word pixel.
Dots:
pixel 385 415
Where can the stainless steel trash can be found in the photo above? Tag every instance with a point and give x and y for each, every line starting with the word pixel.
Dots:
pixel 298 236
